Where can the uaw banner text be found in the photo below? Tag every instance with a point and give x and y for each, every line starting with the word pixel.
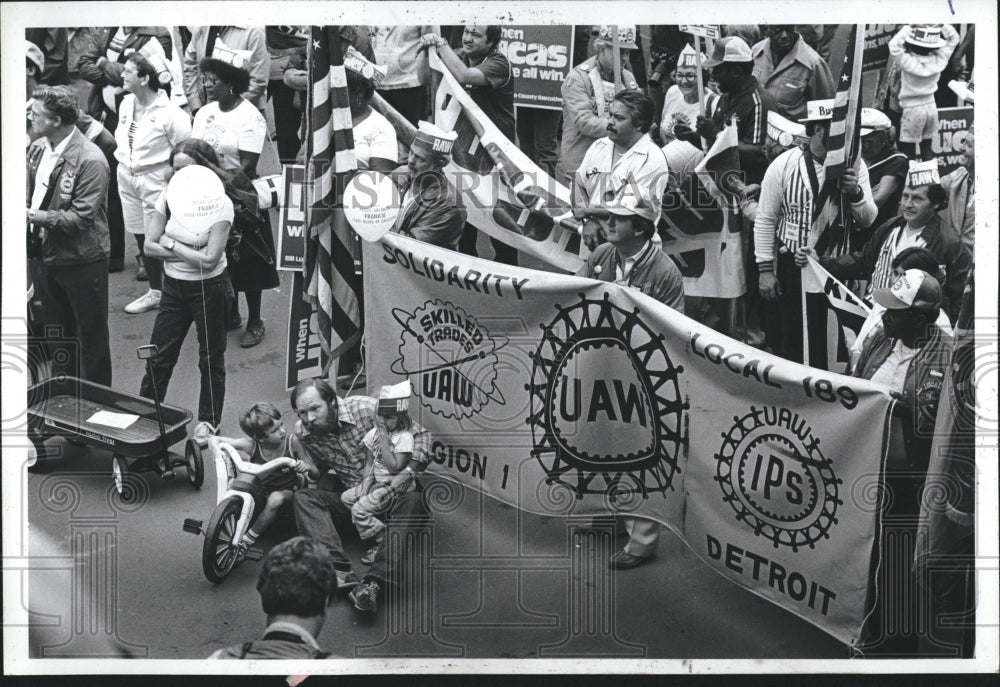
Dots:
pixel 564 395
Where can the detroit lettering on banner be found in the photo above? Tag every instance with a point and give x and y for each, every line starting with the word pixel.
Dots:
pixel 566 396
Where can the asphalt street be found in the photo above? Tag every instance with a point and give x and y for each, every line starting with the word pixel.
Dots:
pixel 488 581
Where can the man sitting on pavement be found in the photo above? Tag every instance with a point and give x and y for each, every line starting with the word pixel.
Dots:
pixel 332 430
pixel 295 583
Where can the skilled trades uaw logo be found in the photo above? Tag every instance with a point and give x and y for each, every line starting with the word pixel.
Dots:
pixel 606 411
pixel 452 357
pixel 773 474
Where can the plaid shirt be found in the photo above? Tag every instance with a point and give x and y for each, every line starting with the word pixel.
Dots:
pixel 344 453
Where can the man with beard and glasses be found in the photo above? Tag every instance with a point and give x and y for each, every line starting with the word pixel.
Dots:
pixel 331 430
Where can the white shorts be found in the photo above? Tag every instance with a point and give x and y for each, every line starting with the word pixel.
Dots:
pixel 919 123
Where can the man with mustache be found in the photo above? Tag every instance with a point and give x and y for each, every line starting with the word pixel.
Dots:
pixel 625 162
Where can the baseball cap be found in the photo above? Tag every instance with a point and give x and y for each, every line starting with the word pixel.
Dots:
pixel 915 289
pixel 626 36
pixel 873 120
pixel 730 49
pixel 34 53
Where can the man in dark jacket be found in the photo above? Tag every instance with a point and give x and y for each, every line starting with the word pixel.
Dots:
pixel 431 211
pixel 630 258
pixel 295 582
pixel 68 227
pixel 742 97
pixel 917 225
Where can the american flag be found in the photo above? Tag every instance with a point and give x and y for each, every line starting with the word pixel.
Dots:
pixel 332 287
pixel 843 144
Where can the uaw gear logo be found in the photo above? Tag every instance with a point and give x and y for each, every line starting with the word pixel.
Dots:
pixel 452 358
pixel 606 411
pixel 774 476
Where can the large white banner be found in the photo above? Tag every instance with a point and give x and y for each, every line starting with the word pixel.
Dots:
pixel 564 395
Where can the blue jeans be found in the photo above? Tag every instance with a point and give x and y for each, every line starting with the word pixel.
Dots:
pixel 206 304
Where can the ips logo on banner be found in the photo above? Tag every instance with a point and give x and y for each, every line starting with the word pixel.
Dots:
pixel 773 474
pixel 606 402
pixel 452 357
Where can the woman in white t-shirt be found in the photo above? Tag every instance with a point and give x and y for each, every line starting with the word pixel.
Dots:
pixel 237 130
pixel 189 232
pixel 680 104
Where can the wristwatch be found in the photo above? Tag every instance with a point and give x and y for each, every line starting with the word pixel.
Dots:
pixel 410 470
pixel 173 242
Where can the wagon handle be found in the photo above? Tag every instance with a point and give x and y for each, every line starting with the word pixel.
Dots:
pixel 147 353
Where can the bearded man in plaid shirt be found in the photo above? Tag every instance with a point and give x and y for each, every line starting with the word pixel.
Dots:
pixel 331 430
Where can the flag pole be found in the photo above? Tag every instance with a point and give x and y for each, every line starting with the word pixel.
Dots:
pixel 697 71
pixel 616 58
pixel 802 293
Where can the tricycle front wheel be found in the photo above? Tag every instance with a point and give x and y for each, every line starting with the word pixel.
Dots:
pixel 218 554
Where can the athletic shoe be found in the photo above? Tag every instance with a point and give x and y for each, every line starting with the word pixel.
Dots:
pixel 203 431
pixel 144 303
pixel 365 597
pixel 252 336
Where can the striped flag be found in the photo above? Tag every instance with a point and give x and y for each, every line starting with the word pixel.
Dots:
pixel 332 286
pixel 843 144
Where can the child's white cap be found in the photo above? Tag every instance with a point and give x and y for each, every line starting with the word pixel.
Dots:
pixel 394 398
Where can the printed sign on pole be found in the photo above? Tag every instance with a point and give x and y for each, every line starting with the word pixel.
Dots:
pixel 292 220
pixel 704 30
pixel 949 143
pixel 540 60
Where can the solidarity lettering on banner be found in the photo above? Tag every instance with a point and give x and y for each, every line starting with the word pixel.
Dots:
pixel 563 395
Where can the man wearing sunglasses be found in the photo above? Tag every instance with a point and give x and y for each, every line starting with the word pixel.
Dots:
pixel 791 71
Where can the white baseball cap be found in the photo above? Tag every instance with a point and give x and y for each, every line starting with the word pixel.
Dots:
pixel 730 49
pixel 873 120
pixel 915 289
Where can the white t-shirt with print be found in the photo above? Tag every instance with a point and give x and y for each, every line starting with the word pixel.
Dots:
pixel 375 137
pixel 242 128
pixel 180 269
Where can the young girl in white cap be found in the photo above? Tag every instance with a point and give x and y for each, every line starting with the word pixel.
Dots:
pixel 388 447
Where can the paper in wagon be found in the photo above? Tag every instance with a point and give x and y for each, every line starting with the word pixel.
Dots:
pixel 109 419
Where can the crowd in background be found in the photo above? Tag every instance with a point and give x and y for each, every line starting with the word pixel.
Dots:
pixel 117 114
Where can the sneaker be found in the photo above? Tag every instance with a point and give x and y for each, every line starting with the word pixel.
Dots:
pixel 347 580
pixel 252 336
pixel 144 303
pixel 202 432
pixel 365 597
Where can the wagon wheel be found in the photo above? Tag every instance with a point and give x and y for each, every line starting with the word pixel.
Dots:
pixel 119 468
pixel 37 462
pixel 218 554
pixel 194 462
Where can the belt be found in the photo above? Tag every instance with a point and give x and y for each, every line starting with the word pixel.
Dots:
pixel 146 169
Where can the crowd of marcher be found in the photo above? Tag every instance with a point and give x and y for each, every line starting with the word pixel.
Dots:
pixel 157 132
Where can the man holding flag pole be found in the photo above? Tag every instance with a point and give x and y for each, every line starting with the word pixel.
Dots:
pixel 811 197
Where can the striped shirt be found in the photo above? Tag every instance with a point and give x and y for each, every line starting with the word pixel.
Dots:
pixel 898 240
pixel 343 453
pixel 785 210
